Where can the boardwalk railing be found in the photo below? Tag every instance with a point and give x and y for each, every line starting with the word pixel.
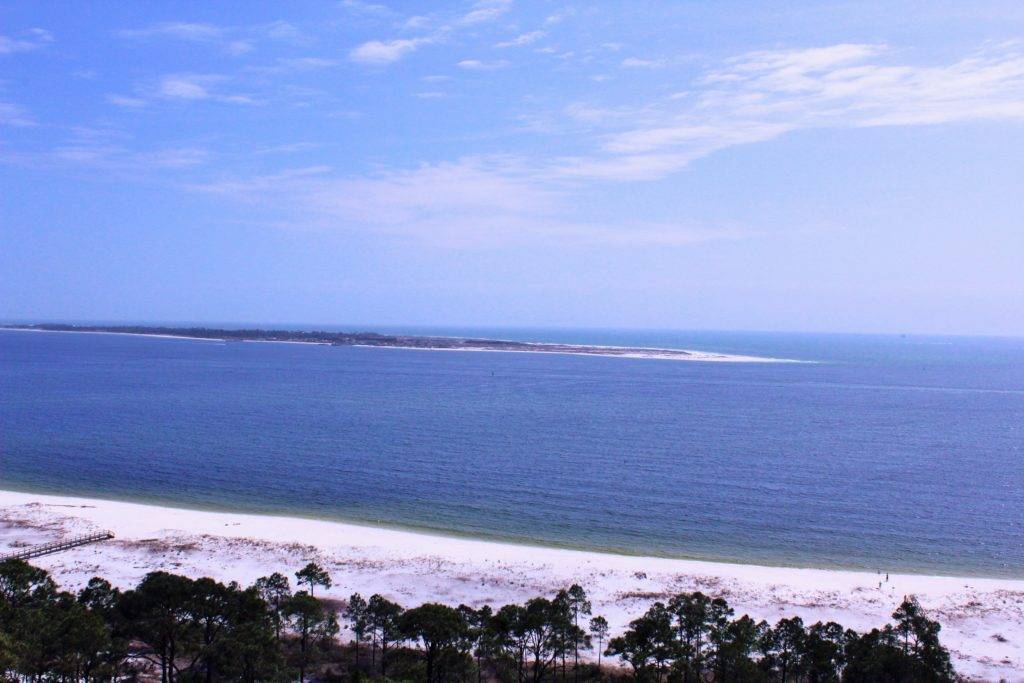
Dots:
pixel 57 546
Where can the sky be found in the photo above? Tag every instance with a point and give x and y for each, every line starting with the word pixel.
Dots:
pixel 804 166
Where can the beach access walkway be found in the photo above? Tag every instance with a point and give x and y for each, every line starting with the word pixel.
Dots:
pixel 57 546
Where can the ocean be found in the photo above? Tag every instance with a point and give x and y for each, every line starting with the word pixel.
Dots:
pixel 886 453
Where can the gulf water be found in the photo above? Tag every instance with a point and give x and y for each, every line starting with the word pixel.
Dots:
pixel 886 452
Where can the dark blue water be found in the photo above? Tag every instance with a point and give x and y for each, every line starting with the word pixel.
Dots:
pixel 890 452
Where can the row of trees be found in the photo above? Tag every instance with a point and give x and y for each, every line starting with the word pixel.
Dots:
pixel 183 630
pixel 693 637
pixel 535 642
pixel 169 626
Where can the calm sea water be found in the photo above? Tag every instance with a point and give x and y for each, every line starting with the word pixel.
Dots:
pixel 889 452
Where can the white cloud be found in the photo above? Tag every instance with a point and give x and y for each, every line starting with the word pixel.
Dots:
pixel 380 52
pixel 697 135
pixel 636 63
pixel 14 115
pixel 284 31
pixel 850 85
pixel 789 63
pixel 125 101
pixel 367 8
pixel 485 11
pixel 239 47
pixel 239 99
pixel 558 17
pixel 32 39
pixel 523 39
pixel 97 155
pixel 477 65
pixel 614 116
pixel 383 52
pixel 416 22
pixel 175 158
pixel 180 30
pixel 234 41
pixel 197 87
pixel 472 185
pixel 109 148
pixel 397 201
pixel 761 95
pixel 307 63
pixel 290 148
pixel 472 202
pixel 184 87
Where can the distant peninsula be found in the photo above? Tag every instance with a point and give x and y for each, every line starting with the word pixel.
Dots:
pixel 395 341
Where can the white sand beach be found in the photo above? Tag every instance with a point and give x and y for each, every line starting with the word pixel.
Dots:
pixel 982 619
pixel 613 352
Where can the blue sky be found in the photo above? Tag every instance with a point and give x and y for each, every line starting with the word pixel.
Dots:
pixel 820 166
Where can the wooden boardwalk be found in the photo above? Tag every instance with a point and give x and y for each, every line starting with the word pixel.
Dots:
pixel 57 546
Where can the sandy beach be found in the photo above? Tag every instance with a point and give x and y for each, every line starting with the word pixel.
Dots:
pixel 649 354
pixel 982 619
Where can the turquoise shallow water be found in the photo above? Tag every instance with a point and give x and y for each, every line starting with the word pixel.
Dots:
pixel 899 453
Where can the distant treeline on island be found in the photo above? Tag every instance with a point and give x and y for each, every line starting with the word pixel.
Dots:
pixel 362 339
pixel 175 629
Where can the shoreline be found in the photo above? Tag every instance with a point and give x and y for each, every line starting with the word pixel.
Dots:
pixel 123 334
pixel 648 353
pixel 982 618
pixel 426 532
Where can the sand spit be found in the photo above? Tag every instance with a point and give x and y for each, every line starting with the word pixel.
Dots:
pixel 651 353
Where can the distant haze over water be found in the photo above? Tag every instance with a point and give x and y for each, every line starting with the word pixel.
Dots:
pixel 891 453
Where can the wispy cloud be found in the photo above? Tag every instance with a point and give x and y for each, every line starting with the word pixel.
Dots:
pixel 416 202
pixel 234 40
pixel 522 39
pixel 290 148
pixel 192 87
pixel 761 95
pixel 471 202
pixel 485 11
pixel 110 148
pixel 283 31
pixel 126 101
pixel 293 64
pixel 186 87
pixel 637 63
pixel 32 39
pixel 119 159
pixel 401 196
pixel 478 65
pixel 239 47
pixel 559 17
pixel 383 52
pixel 183 157
pixel 367 8
pixel 180 30
pixel 754 97
pixel 14 115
